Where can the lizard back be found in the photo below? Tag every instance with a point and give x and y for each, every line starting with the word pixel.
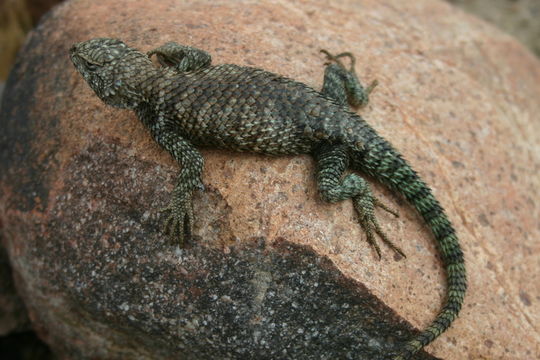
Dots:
pixel 249 109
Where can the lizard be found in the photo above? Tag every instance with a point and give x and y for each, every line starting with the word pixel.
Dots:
pixel 186 102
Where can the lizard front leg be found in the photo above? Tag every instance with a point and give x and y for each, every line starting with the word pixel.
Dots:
pixel 182 58
pixel 179 221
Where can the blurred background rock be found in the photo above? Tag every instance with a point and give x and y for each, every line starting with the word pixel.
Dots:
pixel 17 17
pixel 519 18
pixel 17 340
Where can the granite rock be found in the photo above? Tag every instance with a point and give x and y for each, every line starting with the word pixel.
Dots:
pixel 273 272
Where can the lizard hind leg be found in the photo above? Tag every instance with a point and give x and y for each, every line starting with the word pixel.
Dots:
pixel 342 84
pixel 182 58
pixel 332 161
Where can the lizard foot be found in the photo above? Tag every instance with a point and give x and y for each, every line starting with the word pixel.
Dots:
pixel 341 83
pixel 332 162
pixel 183 58
pixel 178 220
pixel 335 59
pixel 365 204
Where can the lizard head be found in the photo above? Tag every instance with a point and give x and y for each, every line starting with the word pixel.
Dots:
pixel 112 69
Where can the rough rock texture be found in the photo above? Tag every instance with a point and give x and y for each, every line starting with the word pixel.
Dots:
pixel 13 317
pixel 275 273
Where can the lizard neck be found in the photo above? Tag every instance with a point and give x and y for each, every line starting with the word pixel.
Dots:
pixel 159 84
pixel 130 85
pixel 148 83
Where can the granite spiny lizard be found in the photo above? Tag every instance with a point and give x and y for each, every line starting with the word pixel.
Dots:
pixel 187 102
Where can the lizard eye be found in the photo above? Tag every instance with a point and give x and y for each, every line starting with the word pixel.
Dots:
pixel 89 65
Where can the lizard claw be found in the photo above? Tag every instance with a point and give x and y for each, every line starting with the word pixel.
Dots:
pixel 179 220
pixel 335 58
pixel 386 208
pixel 365 205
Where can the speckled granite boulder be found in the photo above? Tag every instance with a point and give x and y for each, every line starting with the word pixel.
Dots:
pixel 13 317
pixel 274 273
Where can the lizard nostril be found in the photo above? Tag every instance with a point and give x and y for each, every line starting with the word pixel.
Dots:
pixel 73 48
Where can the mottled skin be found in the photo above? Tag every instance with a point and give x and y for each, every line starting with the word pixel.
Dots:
pixel 187 102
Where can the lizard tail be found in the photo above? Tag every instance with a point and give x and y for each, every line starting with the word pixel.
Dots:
pixel 387 166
